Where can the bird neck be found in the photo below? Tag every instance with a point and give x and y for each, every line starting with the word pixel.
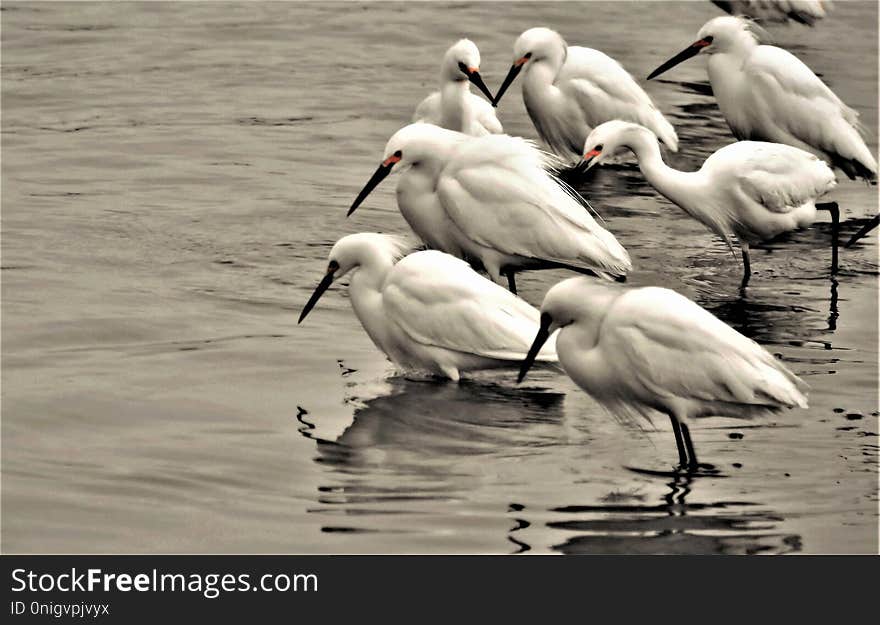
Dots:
pixel 540 75
pixel 453 103
pixel 676 186
pixel 365 293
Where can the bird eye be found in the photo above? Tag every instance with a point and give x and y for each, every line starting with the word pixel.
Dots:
pixel 398 154
pixel 463 68
pixel 598 148
pixel 332 266
pixel 527 55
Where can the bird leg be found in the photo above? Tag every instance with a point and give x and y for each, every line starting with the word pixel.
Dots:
pixel 832 208
pixel 676 429
pixel 747 265
pixel 864 231
pixel 689 444
pixel 511 281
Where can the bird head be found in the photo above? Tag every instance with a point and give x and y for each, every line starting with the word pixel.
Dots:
pixel 352 252
pixel 721 34
pixel 580 300
pixel 533 46
pixel 462 62
pixel 611 138
pixel 409 146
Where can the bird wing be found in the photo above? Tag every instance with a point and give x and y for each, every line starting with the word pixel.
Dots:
pixel 796 102
pixel 498 193
pixel 485 115
pixel 604 91
pixel 428 110
pixel 674 348
pixel 779 177
pixel 438 300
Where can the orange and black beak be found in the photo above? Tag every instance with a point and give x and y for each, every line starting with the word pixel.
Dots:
pixel 323 285
pixel 515 69
pixel 590 158
pixel 378 176
pixel 540 339
pixel 473 74
pixel 684 55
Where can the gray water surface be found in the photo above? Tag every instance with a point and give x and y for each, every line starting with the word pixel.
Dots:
pixel 173 177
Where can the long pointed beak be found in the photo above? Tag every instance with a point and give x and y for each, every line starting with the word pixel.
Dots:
pixel 477 80
pixel 515 69
pixel 540 339
pixel 590 159
pixel 378 176
pixel 323 285
pixel 684 55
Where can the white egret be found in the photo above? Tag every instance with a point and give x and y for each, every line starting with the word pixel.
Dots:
pixel 430 311
pixel 568 90
pixel 492 201
pixel 454 106
pixel 767 94
pixel 753 189
pixel 649 350
pixel 806 12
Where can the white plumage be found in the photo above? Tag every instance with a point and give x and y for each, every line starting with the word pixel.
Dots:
pixel 803 11
pixel 767 94
pixel 568 90
pixel 753 189
pixel 430 311
pixel 648 350
pixel 492 200
pixel 454 106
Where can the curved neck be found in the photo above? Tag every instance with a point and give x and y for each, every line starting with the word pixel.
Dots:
pixel 677 186
pixel 365 294
pixel 541 74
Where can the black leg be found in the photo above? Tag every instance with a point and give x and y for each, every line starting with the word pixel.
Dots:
pixel 747 265
pixel 676 429
pixel 511 281
pixel 832 208
pixel 692 455
pixel 864 231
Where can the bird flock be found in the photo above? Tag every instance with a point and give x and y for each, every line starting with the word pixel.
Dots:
pixel 484 201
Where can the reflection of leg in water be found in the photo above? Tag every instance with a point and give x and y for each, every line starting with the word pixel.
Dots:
pixel 521 524
pixel 832 311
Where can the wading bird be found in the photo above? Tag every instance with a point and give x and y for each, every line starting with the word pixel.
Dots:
pixel 568 90
pixel 430 311
pixel 491 200
pixel 767 94
pixel 648 350
pixel 802 11
pixel 454 106
pixel 753 189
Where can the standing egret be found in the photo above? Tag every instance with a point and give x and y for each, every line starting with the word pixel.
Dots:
pixel 454 106
pixel 492 201
pixel 429 311
pixel 753 189
pixel 648 350
pixel 568 90
pixel 767 94
pixel 806 12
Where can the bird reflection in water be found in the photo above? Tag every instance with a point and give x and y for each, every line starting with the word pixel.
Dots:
pixel 421 443
pixel 673 527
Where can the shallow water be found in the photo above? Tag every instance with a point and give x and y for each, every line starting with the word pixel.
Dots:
pixel 173 177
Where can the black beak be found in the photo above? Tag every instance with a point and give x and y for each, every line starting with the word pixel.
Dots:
pixel 378 176
pixel 325 283
pixel 540 339
pixel 684 55
pixel 477 81
pixel 508 80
